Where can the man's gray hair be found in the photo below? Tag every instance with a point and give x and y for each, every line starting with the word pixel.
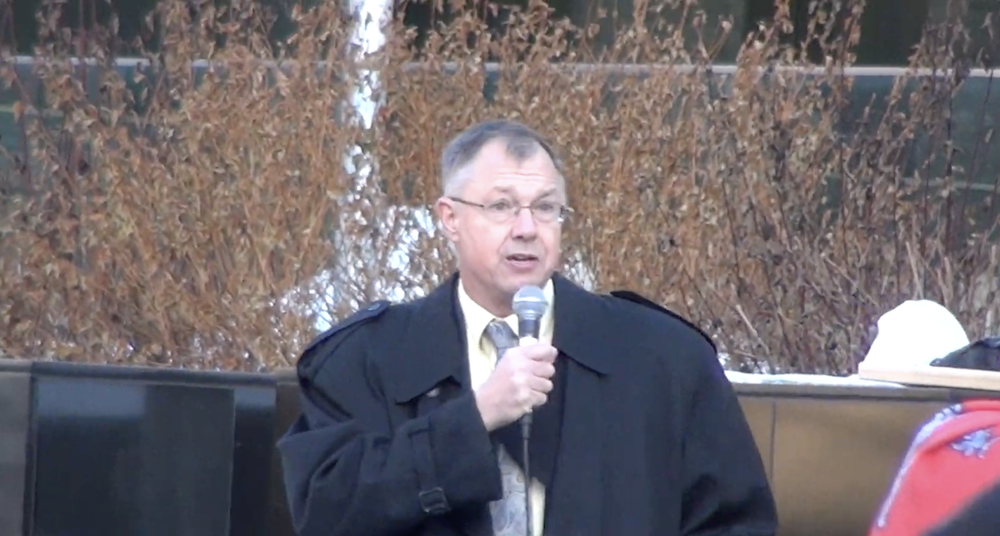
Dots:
pixel 522 144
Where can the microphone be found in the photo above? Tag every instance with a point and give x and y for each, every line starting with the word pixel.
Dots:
pixel 529 305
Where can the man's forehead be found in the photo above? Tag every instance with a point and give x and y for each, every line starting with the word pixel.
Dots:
pixel 495 182
pixel 535 188
pixel 514 153
pixel 502 168
pixel 494 169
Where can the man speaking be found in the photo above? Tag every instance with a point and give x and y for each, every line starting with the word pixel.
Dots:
pixel 611 418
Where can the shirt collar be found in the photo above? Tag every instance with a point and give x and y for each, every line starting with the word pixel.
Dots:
pixel 477 317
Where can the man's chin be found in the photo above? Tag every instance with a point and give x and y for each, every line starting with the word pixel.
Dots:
pixel 519 281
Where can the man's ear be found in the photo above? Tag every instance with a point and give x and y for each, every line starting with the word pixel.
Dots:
pixel 448 217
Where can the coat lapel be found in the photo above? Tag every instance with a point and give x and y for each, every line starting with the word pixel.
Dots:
pixel 581 333
pixel 431 348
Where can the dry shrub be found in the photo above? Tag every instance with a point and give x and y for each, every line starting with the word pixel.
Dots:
pixel 198 220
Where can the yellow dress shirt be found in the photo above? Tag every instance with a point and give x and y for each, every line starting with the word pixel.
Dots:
pixel 482 359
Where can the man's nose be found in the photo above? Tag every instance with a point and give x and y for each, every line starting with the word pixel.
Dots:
pixel 524 224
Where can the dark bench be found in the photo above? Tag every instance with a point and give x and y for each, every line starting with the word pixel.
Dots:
pixel 128 450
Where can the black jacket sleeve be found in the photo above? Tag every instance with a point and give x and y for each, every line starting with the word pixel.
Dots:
pixel 348 473
pixel 726 492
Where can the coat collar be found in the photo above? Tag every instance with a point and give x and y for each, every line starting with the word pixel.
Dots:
pixel 432 345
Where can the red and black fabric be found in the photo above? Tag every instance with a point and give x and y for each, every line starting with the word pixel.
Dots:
pixel 981 518
pixel 949 481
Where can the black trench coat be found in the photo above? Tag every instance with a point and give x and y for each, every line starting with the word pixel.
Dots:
pixel 642 435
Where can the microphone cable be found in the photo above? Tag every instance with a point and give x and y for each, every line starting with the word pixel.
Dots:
pixel 525 440
pixel 529 304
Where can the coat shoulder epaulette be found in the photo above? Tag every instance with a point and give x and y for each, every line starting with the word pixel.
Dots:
pixel 312 359
pixel 646 302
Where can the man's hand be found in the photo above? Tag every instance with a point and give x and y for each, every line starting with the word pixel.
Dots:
pixel 520 382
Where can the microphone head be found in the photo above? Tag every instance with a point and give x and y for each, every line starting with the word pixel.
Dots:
pixel 529 302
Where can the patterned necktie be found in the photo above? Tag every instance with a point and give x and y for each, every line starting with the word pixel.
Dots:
pixel 502 337
pixel 509 514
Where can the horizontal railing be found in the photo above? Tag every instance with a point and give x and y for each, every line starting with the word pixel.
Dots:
pixel 624 68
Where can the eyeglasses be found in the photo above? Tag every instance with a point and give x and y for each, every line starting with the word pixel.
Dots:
pixel 503 211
